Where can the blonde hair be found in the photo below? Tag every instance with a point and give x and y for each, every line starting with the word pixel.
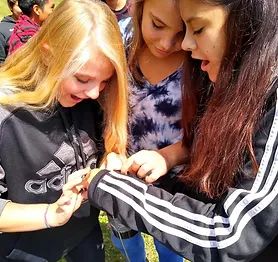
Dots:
pixel 33 73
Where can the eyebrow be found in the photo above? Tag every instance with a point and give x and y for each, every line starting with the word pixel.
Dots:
pixel 190 19
pixel 88 76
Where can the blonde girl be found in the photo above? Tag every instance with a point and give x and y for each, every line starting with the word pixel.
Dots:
pixel 62 94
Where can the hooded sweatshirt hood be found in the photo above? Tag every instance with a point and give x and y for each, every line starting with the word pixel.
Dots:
pixel 6 28
pixel 24 29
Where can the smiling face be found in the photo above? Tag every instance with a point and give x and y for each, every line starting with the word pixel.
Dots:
pixel 162 27
pixel 205 33
pixel 89 81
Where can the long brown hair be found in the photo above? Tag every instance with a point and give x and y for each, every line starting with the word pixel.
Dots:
pixel 137 42
pixel 219 125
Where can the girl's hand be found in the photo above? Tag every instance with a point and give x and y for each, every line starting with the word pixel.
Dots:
pixel 146 164
pixel 61 211
pixel 113 161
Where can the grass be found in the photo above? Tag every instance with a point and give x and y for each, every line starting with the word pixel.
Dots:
pixel 112 254
pixel 4 10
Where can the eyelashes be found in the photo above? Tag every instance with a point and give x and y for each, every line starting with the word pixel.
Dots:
pixel 199 31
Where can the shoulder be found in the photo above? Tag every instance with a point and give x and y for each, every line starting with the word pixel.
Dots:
pixel 6 27
pixel 267 127
pixel 126 28
pixel 5 112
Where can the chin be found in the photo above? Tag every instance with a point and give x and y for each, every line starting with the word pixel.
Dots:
pixel 67 103
pixel 212 79
pixel 212 76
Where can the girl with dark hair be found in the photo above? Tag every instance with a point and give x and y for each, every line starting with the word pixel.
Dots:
pixel 121 8
pixel 224 205
pixel 6 28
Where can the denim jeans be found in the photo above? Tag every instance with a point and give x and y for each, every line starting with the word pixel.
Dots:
pixel 135 250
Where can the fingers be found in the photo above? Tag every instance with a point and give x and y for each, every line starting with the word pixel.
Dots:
pixel 66 198
pixel 153 176
pixel 130 166
pixel 76 179
pixel 78 174
pixel 113 161
pixel 140 164
pixel 146 164
pixel 144 170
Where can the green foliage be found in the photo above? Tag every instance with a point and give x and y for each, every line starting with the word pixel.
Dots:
pixel 112 254
pixel 4 10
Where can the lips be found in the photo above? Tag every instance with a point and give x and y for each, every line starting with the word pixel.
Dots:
pixel 76 99
pixel 162 51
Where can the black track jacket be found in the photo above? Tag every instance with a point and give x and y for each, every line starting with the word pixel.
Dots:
pixel 240 226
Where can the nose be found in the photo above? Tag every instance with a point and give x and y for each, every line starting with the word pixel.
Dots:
pixel 188 43
pixel 93 92
pixel 166 43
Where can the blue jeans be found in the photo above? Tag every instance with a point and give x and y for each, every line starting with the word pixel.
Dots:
pixel 135 249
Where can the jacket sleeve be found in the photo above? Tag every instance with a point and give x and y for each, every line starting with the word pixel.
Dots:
pixel 236 227
pixel 3 52
pixel 3 190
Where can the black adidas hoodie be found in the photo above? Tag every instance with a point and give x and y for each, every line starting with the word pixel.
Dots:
pixel 38 151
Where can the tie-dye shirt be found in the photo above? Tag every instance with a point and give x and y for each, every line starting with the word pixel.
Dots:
pixel 155 110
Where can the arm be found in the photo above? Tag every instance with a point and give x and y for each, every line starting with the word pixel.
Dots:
pixel 17 217
pixel 3 53
pixel 235 228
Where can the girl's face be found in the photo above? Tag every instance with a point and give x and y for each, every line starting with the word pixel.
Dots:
pixel 205 34
pixel 162 27
pixel 44 12
pixel 89 81
pixel 16 11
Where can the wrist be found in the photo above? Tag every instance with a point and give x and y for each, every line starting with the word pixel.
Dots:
pixel 93 173
pixel 46 219
pixel 165 156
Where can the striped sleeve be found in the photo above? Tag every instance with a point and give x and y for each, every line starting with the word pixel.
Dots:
pixel 235 228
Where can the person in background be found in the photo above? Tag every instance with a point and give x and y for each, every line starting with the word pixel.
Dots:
pixel 121 8
pixel 35 12
pixel 6 28
pixel 63 99
pixel 224 207
pixel 153 46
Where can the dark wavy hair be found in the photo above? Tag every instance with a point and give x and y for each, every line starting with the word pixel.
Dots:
pixel 27 5
pixel 220 119
pixel 11 3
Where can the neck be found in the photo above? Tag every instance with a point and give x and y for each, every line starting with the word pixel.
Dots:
pixel 116 5
pixel 35 19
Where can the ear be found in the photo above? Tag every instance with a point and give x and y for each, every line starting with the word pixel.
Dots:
pixel 37 10
pixel 46 46
pixel 46 53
